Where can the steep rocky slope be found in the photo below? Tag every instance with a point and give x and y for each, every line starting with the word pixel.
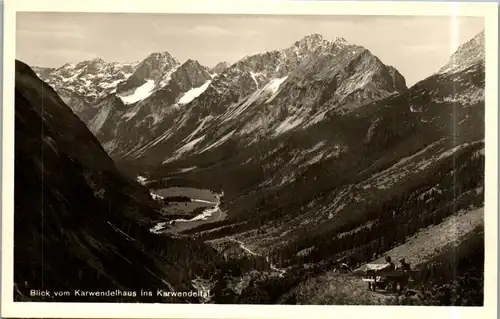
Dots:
pixel 78 222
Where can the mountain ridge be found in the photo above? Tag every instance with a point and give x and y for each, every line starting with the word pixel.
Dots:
pixel 263 75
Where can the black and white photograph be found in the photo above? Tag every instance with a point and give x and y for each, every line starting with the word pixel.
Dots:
pixel 249 159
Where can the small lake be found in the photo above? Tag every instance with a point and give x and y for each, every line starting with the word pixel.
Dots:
pixel 202 209
pixel 194 193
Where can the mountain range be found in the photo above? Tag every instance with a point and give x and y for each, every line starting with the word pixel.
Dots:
pixel 323 154
pixel 247 99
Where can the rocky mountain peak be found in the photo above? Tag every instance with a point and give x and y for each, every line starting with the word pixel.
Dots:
pixel 160 55
pixel 190 63
pixel 339 40
pixel 96 60
pixel 156 67
pixel 316 42
pixel 310 42
pixel 470 53
pixel 311 38
pixel 92 66
pixel 220 67
pixel 66 66
pixel 191 74
pixel 157 60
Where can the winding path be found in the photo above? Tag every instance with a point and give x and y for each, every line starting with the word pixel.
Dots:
pixel 271 265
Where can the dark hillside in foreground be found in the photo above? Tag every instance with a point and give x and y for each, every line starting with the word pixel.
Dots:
pixel 79 223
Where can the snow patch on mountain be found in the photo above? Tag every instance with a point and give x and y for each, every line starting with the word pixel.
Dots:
pixel 255 76
pixel 265 94
pixel 193 93
pixel 199 128
pixel 221 141
pixel 274 86
pixel 288 124
pixel 166 78
pixel 185 148
pixel 139 93
pixel 189 146
pixel 142 180
pixel 187 169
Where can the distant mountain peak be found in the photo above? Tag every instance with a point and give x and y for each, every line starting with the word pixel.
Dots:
pixel 315 42
pixel 312 36
pixel 339 40
pixel 190 62
pixel 220 67
pixel 155 67
pixel 97 59
pixel 95 62
pixel 66 66
pixel 159 54
pixel 315 38
pixel 160 60
pixel 310 40
pixel 195 66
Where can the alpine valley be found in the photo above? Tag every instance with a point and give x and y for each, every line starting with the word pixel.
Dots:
pixel 252 181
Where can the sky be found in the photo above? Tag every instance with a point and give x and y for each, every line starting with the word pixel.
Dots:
pixel 415 45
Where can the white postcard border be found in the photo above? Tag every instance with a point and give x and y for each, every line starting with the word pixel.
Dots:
pixel 489 11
